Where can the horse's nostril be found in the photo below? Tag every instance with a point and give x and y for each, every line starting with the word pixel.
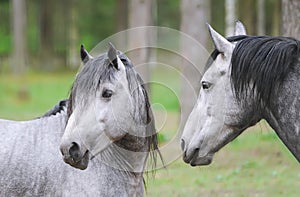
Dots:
pixel 182 144
pixel 74 151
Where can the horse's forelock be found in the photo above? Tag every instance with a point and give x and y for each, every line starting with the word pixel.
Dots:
pixel 94 72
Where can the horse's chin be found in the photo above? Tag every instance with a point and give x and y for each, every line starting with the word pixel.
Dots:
pixel 81 164
pixel 202 161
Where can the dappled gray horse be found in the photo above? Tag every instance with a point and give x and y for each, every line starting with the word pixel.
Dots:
pixel 248 78
pixel 110 120
pixel 31 163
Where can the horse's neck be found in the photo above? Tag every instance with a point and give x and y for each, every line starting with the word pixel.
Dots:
pixel 123 159
pixel 59 120
pixel 123 170
pixel 54 123
pixel 284 115
pixel 120 181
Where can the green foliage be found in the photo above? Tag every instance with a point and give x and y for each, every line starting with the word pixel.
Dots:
pixel 164 96
pixel 161 138
pixel 5 37
pixel 218 15
pixel 165 85
pixel 96 21
pixel 168 13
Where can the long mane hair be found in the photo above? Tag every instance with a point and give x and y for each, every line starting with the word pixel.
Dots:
pixel 259 64
pixel 99 70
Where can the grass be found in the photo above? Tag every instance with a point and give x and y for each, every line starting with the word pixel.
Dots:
pixel 30 96
pixel 255 164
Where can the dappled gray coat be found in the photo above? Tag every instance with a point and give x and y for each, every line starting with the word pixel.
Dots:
pixel 31 163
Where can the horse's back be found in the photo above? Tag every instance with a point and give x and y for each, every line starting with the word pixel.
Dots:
pixel 31 165
pixel 28 161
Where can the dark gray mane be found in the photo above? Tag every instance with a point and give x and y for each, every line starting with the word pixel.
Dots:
pixel 99 70
pixel 261 63
pixel 56 109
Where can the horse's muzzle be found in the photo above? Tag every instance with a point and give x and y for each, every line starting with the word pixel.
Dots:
pixel 73 156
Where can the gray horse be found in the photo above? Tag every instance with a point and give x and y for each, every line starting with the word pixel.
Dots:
pixel 31 162
pixel 248 78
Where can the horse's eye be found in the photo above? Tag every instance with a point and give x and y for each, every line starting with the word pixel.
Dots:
pixel 107 93
pixel 205 85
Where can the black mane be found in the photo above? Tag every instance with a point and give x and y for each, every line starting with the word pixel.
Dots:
pixel 260 64
pixel 62 105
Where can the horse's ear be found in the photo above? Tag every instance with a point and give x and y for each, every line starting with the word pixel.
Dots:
pixel 239 29
pixel 113 57
pixel 221 43
pixel 85 56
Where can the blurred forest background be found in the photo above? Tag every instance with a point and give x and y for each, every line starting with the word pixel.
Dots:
pixel 45 35
pixel 53 29
pixel 39 57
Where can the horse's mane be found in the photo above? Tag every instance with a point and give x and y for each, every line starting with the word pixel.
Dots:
pixel 61 106
pixel 260 64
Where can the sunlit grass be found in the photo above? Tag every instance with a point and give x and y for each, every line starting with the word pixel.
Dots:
pixel 31 95
pixel 255 164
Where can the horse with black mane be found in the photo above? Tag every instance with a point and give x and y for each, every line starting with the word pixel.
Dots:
pixel 247 78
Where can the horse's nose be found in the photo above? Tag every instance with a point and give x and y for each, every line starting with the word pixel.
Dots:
pixel 74 152
pixel 71 151
pixel 188 155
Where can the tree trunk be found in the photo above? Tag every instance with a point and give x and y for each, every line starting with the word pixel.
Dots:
pixel 195 14
pixel 261 19
pixel 122 22
pixel 230 17
pixel 19 36
pixel 46 35
pixel 291 18
pixel 276 18
pixel 247 14
pixel 73 49
pixel 140 14
pixel 122 13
